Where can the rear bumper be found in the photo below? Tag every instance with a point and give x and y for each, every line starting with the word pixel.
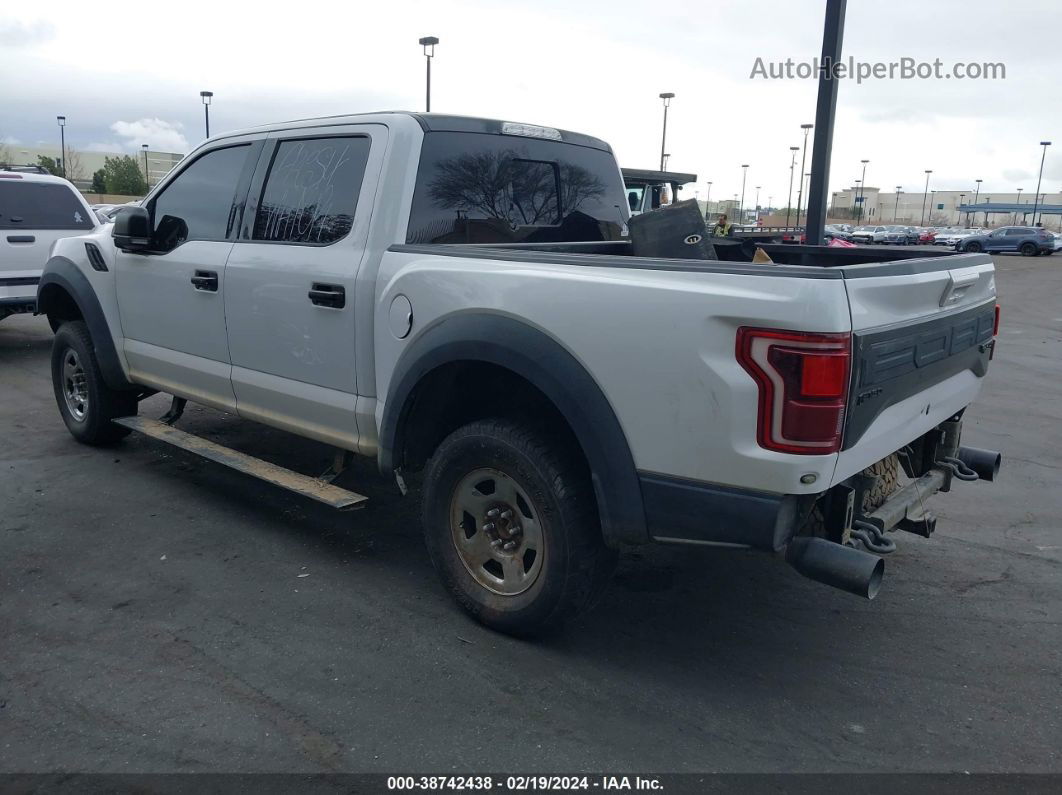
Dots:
pixel 680 511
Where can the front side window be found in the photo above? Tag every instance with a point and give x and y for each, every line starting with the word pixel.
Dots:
pixel 199 204
pixel 41 205
pixel 485 188
pixel 311 191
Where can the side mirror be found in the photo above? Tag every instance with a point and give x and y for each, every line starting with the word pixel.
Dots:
pixel 132 229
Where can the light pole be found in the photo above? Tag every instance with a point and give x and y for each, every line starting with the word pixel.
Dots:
pixel 958 210
pixel 741 204
pixel 803 157
pixel 667 96
pixel 1036 201
pixel 862 186
pixel 792 165
pixel 896 204
pixel 925 195
pixel 988 200
pixel 206 97
pixel 932 201
pixel 667 157
pixel 976 194
pixel 147 177
pixel 757 203
pixel 855 199
pixel 428 43
pixel 62 143
pixel 1015 219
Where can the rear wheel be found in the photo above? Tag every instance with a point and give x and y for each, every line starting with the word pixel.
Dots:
pixel 511 525
pixel 86 403
pixel 1028 249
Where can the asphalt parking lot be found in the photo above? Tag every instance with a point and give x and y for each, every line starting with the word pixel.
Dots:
pixel 159 613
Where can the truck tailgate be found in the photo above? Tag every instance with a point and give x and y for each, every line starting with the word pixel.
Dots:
pixel 921 334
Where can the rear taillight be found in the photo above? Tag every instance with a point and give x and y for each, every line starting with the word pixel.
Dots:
pixel 803 383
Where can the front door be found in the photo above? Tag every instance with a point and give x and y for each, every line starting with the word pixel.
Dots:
pixel 171 300
pixel 290 303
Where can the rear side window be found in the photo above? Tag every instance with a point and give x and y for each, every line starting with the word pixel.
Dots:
pixel 1016 233
pixel 199 203
pixel 40 205
pixel 311 191
pixel 484 188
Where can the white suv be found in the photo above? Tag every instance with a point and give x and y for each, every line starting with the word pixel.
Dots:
pixel 35 211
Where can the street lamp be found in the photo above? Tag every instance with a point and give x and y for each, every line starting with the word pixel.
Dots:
pixel 958 210
pixel 1036 201
pixel 741 204
pixel 147 177
pixel 428 43
pixel 667 96
pixel 896 204
pixel 792 165
pixel 206 97
pixel 666 158
pixel 925 195
pixel 803 157
pixel 855 199
pixel 1019 207
pixel 757 203
pixel 62 143
pixel 862 186
pixel 976 194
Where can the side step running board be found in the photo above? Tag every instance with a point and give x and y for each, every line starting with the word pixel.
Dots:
pixel 305 485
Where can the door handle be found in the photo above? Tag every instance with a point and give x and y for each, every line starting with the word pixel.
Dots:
pixel 205 280
pixel 21 239
pixel 333 295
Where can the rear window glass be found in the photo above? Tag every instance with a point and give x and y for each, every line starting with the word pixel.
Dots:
pixel 39 205
pixel 482 188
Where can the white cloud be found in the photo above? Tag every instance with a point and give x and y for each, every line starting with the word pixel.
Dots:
pixel 25 34
pixel 1017 174
pixel 159 135
pixel 9 140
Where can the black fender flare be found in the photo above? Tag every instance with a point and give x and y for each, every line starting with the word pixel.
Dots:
pixel 537 357
pixel 62 274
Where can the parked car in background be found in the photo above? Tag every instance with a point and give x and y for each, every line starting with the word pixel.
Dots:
pixel 950 236
pixel 35 210
pixel 870 234
pixel 1025 240
pixel 837 232
pixel 925 235
pixel 900 235
pixel 1058 241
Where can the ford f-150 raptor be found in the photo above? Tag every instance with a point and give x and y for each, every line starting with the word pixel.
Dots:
pixel 459 299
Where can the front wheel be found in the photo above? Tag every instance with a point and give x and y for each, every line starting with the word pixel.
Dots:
pixel 511 525
pixel 973 248
pixel 86 403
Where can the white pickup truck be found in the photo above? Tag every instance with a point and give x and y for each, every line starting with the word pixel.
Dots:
pixel 459 299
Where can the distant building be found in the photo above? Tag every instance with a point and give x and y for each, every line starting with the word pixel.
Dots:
pixel 941 208
pixel 159 164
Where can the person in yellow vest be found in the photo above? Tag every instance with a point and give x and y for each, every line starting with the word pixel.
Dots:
pixel 721 228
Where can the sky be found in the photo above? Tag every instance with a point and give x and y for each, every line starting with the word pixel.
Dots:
pixel 131 74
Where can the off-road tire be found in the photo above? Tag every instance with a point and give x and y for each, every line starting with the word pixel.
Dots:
pixel 102 404
pixel 576 565
pixel 887 474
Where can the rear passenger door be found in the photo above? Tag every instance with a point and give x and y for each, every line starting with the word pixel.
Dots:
pixel 289 302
